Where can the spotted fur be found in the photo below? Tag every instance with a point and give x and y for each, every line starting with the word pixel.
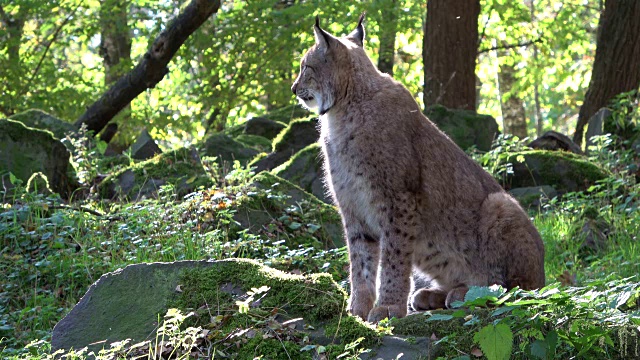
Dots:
pixel 411 201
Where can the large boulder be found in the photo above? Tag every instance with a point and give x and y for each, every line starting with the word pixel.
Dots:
pixel 144 147
pixel 127 303
pixel 25 151
pixel 263 127
pixel 39 119
pixel 553 140
pixel 287 114
pixel 564 171
pixel 305 170
pixel 466 128
pixel 295 137
pixel 226 149
pixel 181 168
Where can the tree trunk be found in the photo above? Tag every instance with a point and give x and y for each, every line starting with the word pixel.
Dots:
pixel 388 29
pixel 14 25
pixel 616 68
pixel 449 53
pixel 115 46
pixel 513 114
pixel 151 69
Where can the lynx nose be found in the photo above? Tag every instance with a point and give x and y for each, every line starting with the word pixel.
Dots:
pixel 294 87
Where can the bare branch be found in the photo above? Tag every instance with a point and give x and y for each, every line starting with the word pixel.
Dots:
pixel 511 46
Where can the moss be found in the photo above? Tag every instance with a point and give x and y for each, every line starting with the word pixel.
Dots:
pixel 314 297
pixel 39 119
pixel 301 163
pixel 563 170
pixel 349 329
pixel 25 151
pixel 253 212
pixel 297 135
pixel 271 348
pixel 287 114
pixel 181 168
pixel 465 128
pixel 257 158
pixel 255 142
pixel 226 149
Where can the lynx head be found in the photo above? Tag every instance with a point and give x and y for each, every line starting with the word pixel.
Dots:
pixel 326 67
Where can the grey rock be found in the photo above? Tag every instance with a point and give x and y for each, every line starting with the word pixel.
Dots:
pixel 298 135
pixel 466 128
pixel 124 304
pixel 555 141
pixel 145 147
pixel 226 149
pixel 39 119
pixel 595 126
pixel 305 170
pixel 409 348
pixel 263 127
pixel 25 151
pixel 530 197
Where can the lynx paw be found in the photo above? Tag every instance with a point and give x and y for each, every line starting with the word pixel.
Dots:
pixel 382 312
pixel 360 306
pixel 428 299
pixel 456 294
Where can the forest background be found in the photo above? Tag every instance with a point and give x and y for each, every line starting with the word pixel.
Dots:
pixel 533 58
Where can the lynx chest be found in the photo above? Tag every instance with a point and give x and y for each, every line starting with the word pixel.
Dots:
pixel 349 176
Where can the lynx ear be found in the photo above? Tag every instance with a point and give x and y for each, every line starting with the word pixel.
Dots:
pixel 323 38
pixel 357 35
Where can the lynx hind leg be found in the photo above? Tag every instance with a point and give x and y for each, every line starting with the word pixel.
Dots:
pixel 364 257
pixel 512 237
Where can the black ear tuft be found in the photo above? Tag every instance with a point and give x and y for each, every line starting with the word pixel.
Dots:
pixel 357 35
pixel 323 39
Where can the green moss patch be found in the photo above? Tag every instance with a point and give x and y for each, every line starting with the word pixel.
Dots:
pixel 256 142
pixel 180 168
pixel 466 128
pixel 564 171
pixel 305 170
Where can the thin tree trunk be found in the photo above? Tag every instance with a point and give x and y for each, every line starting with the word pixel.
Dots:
pixel 616 68
pixel 14 25
pixel 450 49
pixel 513 114
pixel 151 69
pixel 115 46
pixel 388 29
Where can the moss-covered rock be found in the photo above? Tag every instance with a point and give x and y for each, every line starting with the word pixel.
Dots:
pixel 226 149
pixel 564 171
pixel 287 114
pixel 257 211
pixel 305 170
pixel 25 151
pixel 256 142
pixel 263 127
pixel 126 304
pixel 466 128
pixel 295 137
pixel 181 168
pixel 39 119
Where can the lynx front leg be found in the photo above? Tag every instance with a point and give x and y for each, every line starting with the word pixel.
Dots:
pixel 364 256
pixel 400 224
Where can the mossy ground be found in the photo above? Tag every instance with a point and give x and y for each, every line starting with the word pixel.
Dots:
pixel 181 168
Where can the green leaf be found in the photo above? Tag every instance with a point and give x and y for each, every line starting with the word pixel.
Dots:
pixel 495 341
pixel 13 179
pixel 440 317
pixel 480 295
pixel 545 349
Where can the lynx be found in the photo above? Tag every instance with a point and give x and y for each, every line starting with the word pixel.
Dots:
pixel 415 208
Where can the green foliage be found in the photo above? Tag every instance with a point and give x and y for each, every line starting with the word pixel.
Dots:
pixel 495 341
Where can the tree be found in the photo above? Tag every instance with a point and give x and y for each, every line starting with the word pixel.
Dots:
pixel 450 48
pixel 388 28
pixel 513 112
pixel 151 69
pixel 616 68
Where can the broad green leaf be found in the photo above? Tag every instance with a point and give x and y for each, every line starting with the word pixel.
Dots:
pixel 440 317
pixel 495 341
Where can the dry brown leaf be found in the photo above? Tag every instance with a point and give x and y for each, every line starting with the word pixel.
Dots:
pixel 476 352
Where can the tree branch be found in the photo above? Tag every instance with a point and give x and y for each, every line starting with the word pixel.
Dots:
pixel 46 50
pixel 152 67
pixel 511 46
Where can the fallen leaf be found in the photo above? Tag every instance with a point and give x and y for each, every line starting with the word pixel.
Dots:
pixel 476 352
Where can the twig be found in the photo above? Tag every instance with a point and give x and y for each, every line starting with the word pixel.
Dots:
pixel 78 208
pixel 511 46
pixel 53 39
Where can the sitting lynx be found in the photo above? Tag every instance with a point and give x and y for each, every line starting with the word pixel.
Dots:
pixel 412 203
